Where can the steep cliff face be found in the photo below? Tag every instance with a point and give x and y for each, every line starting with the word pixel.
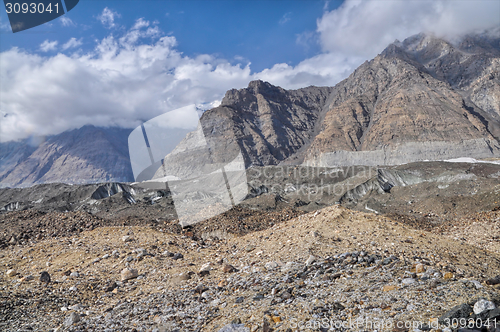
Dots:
pixel 267 124
pixel 86 155
pixel 421 90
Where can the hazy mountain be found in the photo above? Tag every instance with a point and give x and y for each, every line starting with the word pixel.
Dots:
pixel 86 155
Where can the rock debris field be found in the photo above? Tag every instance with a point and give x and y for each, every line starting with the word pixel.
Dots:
pixel 331 269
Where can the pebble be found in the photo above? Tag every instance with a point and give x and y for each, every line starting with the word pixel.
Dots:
pixel 271 266
pixel 127 238
pixel 73 318
pixel 178 256
pixel 129 273
pixel 10 273
pixel 448 276
pixel 476 284
pixel 493 281
pixel 234 328
pixel 388 288
pixel 310 260
pixel 74 274
pixel 483 305
pixel 419 268
pixel 45 277
pixel 408 281
pixel 227 268
pixel 206 267
pixel 75 307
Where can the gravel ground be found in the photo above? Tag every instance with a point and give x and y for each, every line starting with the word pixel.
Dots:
pixel 329 268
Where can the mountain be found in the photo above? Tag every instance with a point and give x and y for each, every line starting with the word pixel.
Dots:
pixel 86 155
pixel 421 99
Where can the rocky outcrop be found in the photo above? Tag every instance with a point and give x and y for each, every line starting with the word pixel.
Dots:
pixel 420 99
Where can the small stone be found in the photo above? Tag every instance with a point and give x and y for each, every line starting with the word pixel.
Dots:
pixel 483 305
pixel 45 277
pixel 448 276
pixel 181 277
pixel 72 289
pixel 408 281
pixel 111 286
pixel 75 307
pixel 419 268
pixel 129 273
pixel 73 318
pixel 271 265
pixel 206 267
pixel 276 319
pixel 239 299
pixel 249 248
pixel 286 295
pixel 234 328
pixel 388 288
pixel 310 260
pixel 178 256
pixel 203 273
pixel 493 281
pixel 127 238
pixel 476 284
pixel 26 278
pixel 228 268
pixel 11 273
pixel 74 274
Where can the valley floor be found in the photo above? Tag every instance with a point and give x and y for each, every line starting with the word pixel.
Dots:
pixel 331 268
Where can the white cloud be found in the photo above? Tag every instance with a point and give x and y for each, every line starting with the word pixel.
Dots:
pixel 73 42
pixel 66 21
pixel 365 27
pixel 140 73
pixel 286 17
pixel 107 18
pixel 48 45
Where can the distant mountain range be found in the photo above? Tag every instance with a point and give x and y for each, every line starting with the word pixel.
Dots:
pixel 86 155
pixel 421 99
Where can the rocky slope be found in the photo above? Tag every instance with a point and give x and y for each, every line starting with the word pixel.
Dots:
pixel 332 266
pixel 420 99
pixel 86 155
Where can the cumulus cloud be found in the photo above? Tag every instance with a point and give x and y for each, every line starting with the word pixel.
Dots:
pixel 139 73
pixel 365 27
pixel 73 42
pixel 47 45
pixel 107 18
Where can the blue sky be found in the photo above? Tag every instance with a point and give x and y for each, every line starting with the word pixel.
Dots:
pixel 118 63
pixel 262 32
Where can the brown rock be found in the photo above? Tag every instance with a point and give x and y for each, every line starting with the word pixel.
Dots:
pixel 388 288
pixel 227 268
pixel 129 273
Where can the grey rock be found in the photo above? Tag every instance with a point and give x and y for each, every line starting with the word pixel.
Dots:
pixel 483 305
pixel 459 311
pixel 73 318
pixel 234 328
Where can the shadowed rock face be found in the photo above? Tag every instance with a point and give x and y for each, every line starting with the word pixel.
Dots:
pixel 423 98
